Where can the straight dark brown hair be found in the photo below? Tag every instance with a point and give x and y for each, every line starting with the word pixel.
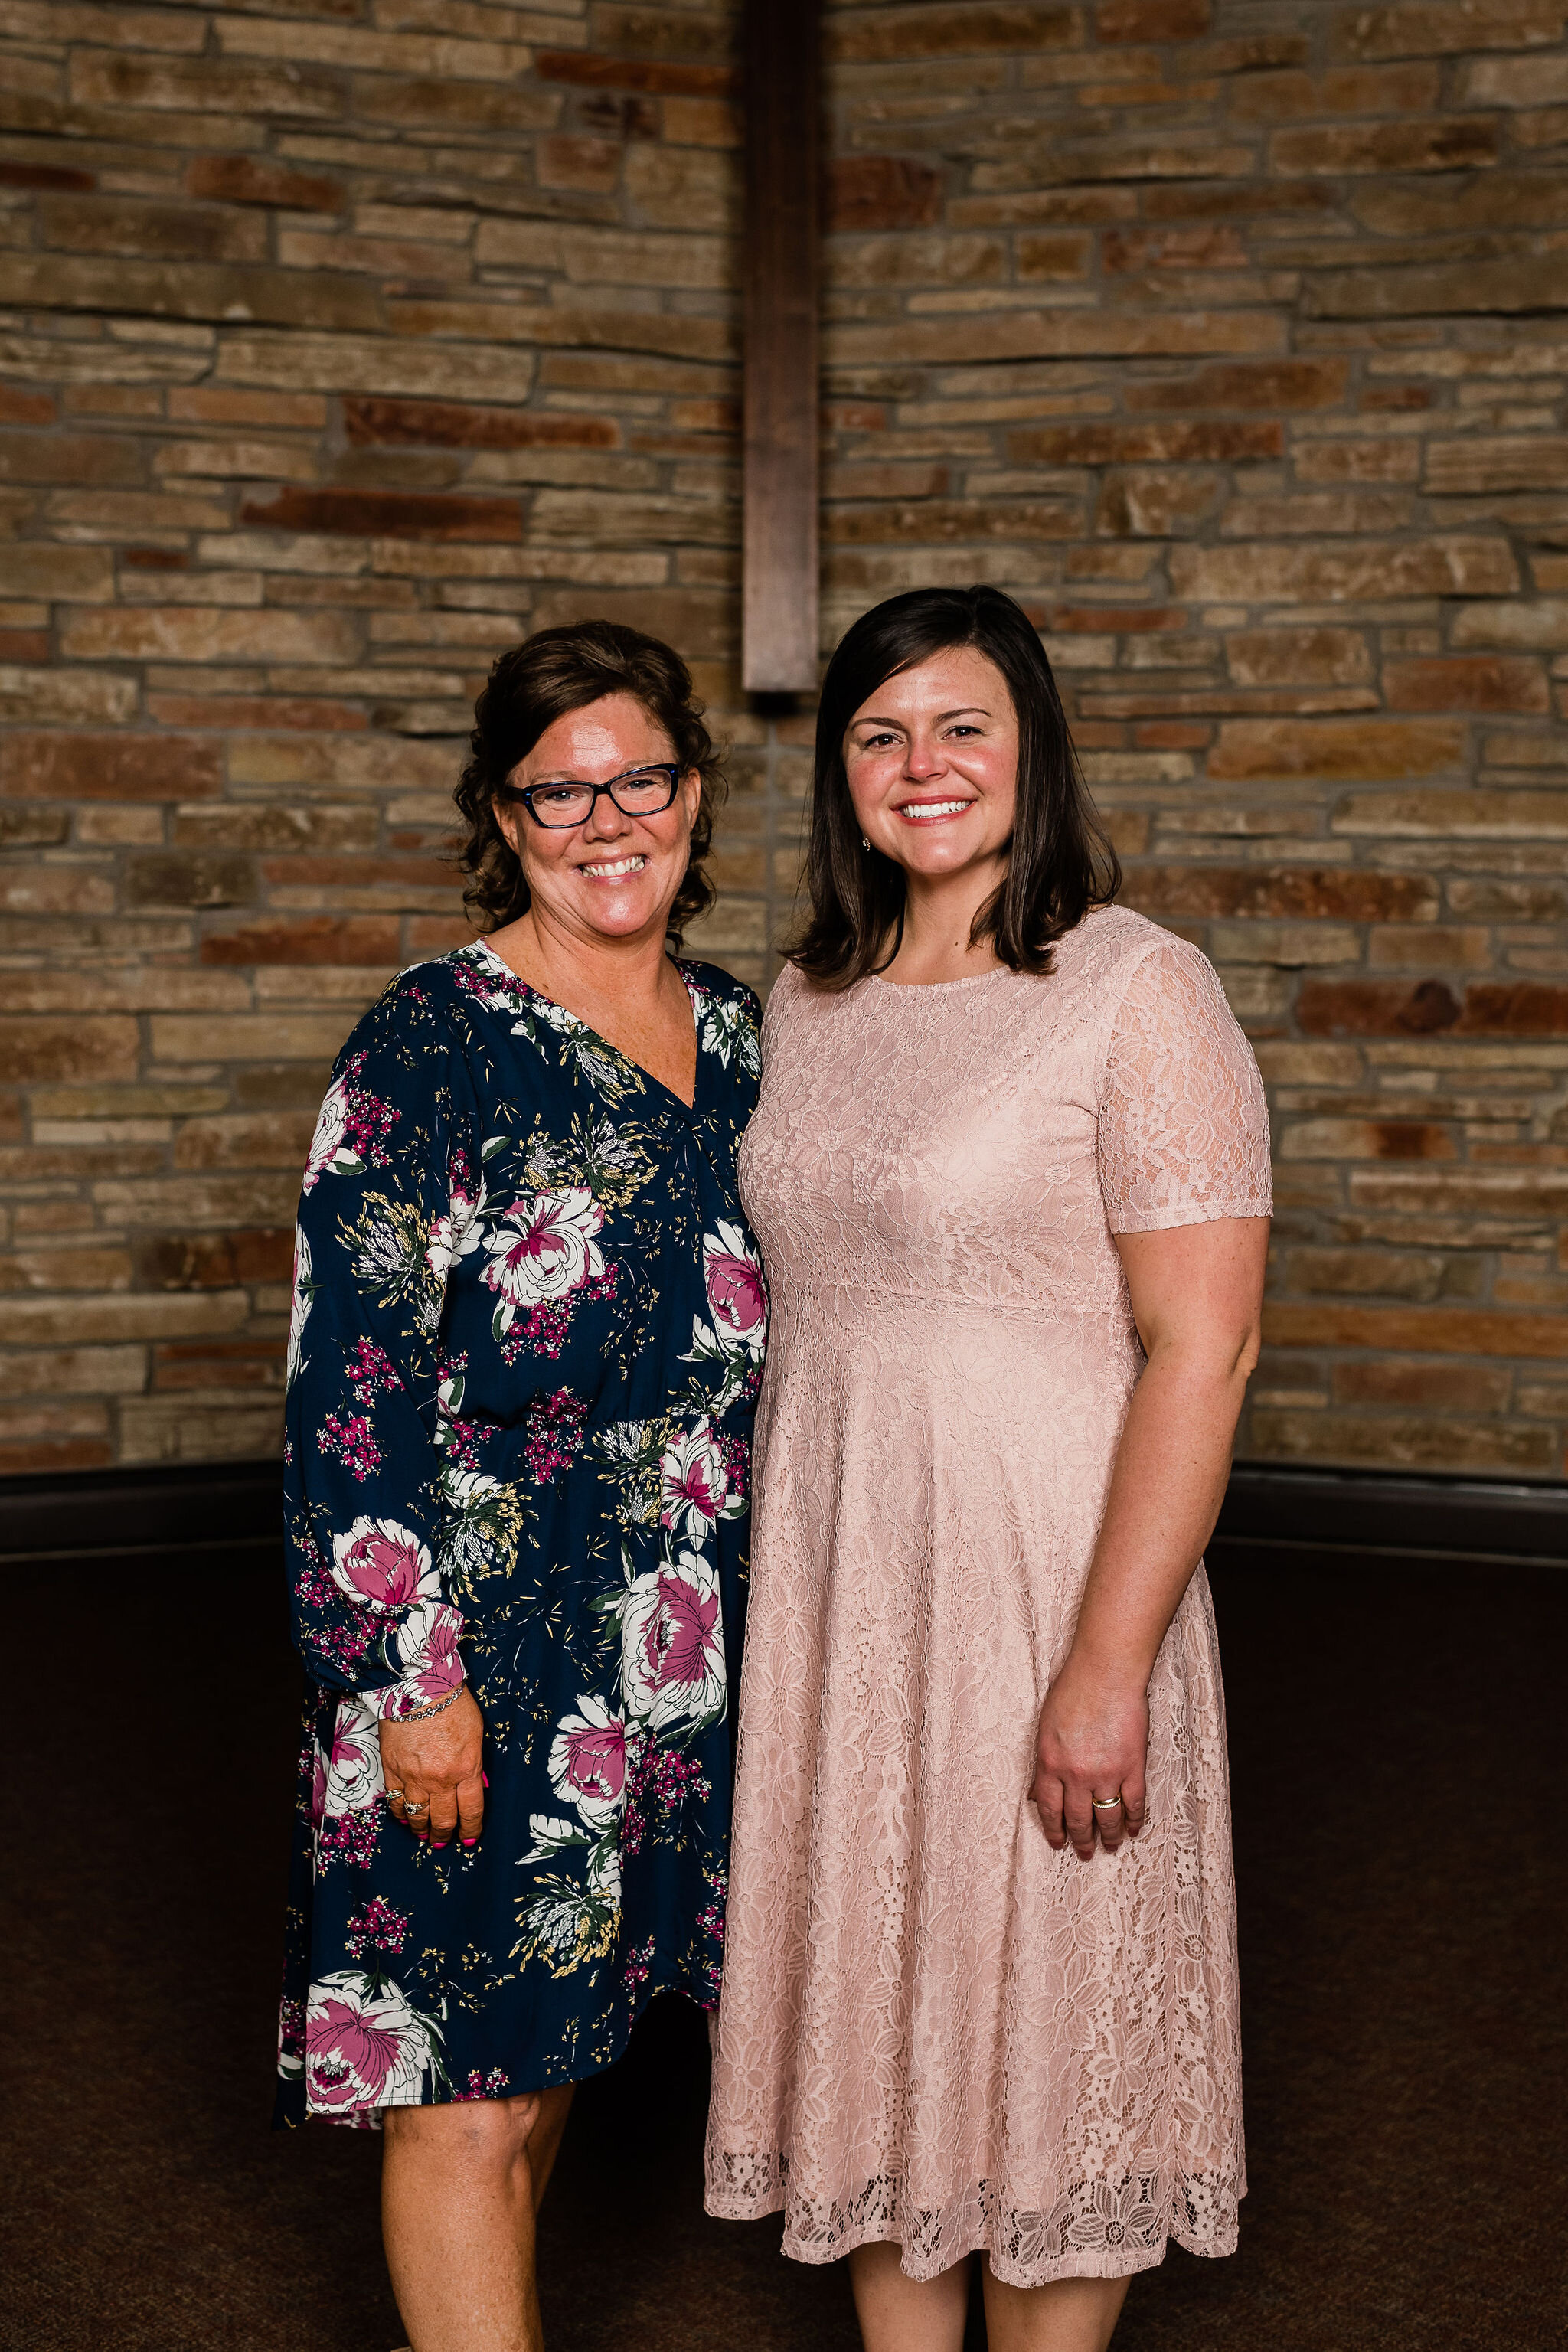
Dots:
pixel 1059 862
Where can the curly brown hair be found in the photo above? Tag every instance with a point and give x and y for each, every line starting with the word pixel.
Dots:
pixel 551 673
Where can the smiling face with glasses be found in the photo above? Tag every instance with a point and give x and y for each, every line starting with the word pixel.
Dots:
pixel 600 817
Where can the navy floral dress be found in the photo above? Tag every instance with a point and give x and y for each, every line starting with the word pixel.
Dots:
pixel 527 1335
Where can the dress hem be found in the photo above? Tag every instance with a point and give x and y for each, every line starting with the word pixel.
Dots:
pixel 1078 2265
pixel 368 2118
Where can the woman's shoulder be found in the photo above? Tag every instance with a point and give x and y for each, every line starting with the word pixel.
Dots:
pixel 729 1015
pixel 426 1008
pixel 1115 948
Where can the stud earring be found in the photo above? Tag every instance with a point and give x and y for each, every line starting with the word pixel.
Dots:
pixel 864 843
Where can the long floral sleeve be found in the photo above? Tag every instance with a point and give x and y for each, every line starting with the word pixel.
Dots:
pixel 391 1194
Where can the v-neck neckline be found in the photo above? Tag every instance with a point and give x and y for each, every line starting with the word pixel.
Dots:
pixel 619 1051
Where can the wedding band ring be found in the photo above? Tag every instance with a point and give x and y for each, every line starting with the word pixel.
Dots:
pixel 1106 1804
pixel 409 1807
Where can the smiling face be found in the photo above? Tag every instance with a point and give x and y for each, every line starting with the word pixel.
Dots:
pixel 614 875
pixel 932 760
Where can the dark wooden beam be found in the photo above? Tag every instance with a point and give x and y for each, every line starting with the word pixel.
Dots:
pixel 779 525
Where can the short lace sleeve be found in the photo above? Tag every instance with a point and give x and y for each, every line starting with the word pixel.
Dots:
pixel 1183 1126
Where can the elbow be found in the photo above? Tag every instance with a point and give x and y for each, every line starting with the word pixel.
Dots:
pixel 1248 1348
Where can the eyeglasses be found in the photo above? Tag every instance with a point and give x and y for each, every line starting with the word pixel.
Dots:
pixel 641 791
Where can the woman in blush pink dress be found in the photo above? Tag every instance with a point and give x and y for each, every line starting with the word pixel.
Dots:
pixel 1010 1173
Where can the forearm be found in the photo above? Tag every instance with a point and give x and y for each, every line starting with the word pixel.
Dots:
pixel 1166 1486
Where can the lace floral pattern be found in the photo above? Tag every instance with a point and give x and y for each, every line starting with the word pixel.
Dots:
pixel 932 2028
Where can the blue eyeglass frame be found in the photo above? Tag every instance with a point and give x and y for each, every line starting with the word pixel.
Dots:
pixel 524 793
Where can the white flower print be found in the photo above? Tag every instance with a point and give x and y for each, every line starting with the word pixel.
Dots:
pixel 588 1761
pixel 299 1313
pixel 672 1644
pixel 328 1149
pixel 543 1248
pixel 694 1484
pixel 354 1767
pixel 362 2049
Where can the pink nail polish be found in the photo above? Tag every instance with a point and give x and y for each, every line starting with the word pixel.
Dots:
pixel 486 1778
pixel 470 1841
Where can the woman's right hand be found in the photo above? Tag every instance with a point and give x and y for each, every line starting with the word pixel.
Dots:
pixel 432 1771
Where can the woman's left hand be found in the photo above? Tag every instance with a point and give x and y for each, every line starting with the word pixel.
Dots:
pixel 1093 1742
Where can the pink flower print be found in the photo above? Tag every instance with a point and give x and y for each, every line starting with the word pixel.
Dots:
pixel 736 1291
pixel 376 1927
pixel 426 1648
pixel 383 1564
pixel 354 1761
pixel 588 1762
pixel 693 1482
pixel 362 2052
pixel 543 1248
pixel 672 1654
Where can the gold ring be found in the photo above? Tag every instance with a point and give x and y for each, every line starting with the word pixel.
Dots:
pixel 1105 1804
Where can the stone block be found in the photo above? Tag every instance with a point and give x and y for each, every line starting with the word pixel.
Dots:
pixel 1515 81
pixel 196 632
pixel 1501 814
pixel 1310 893
pixel 244 179
pixel 1376 1008
pixel 305 940
pixel 658 76
pixel 1355 90
pixel 1336 750
pixel 78 575
pixel 378 364
pixel 1182 442
pixel 1428 289
pixel 1152 20
pixel 1541 623
pixel 864 193
pixel 187 878
pixel 204 85
pixel 152 230
pixel 213 1261
pixel 1364 1138
pixel 244 1037
pixel 1302 656
pixel 426 103
pixel 183 1428
pixel 240 1139
pixel 1394 1440
pixel 1373 571
pixel 1295 383
pixel 72 1371
pixel 1390 460
pixel 1465 682
pixel 387 514
pixel 892 34
pixel 51 457
pixel 1452 143
pixel 454 425
pixel 1444 27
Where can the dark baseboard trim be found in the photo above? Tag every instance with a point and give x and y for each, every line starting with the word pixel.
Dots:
pixel 170 1508
pixel 182 1509
pixel 1380 1513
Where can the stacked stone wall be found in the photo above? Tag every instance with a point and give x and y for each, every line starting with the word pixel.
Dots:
pixel 342 341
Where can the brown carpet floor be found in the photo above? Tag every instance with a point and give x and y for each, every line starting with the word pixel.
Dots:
pixel 1403 1948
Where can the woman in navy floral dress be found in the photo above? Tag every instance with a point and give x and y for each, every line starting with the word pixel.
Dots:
pixel 527 1333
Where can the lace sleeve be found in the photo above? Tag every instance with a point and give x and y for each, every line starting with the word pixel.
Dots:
pixel 1183 1126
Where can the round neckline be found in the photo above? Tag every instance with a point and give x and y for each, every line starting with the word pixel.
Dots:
pixel 940 987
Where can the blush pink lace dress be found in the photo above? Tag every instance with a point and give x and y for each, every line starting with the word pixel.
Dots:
pixel 932 2029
